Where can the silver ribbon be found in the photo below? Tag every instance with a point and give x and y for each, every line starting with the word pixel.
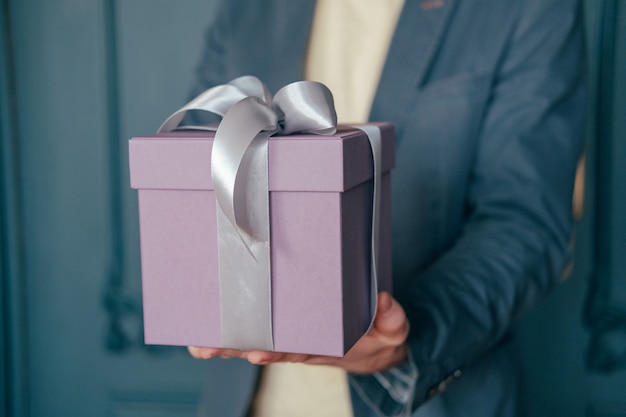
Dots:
pixel 239 170
pixel 376 143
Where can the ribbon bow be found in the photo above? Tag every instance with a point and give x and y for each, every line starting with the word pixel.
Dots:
pixel 239 170
pixel 250 115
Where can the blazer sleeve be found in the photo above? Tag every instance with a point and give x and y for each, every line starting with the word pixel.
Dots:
pixel 514 242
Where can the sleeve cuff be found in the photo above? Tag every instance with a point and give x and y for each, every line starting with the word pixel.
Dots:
pixel 389 393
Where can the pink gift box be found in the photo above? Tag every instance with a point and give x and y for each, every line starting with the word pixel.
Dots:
pixel 321 207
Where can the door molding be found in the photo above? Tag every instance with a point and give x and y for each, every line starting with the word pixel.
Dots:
pixel 605 315
pixel 124 329
pixel 13 321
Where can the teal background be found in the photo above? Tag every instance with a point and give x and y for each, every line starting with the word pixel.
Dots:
pixel 79 77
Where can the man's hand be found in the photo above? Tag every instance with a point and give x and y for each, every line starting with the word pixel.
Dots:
pixel 381 348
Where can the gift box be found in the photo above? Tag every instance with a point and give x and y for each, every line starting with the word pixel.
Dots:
pixel 320 193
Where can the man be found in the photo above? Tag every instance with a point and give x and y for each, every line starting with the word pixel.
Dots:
pixel 488 99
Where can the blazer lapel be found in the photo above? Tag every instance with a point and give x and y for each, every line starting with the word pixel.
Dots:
pixel 417 38
pixel 418 35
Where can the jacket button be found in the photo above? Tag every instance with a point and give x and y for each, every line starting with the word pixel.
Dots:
pixel 443 385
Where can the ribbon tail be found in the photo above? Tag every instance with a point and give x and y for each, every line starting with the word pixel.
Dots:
pixel 245 288
pixel 239 167
pixel 375 139
pixel 244 259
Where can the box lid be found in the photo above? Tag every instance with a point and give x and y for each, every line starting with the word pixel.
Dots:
pixel 181 160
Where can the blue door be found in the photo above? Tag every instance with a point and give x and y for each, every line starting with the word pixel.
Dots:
pixel 79 78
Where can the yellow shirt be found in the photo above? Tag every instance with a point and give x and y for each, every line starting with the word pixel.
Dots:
pixel 347 51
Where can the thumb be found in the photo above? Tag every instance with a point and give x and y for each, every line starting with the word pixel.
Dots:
pixel 390 322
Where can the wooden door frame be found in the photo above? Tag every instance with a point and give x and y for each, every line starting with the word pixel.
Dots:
pixel 13 322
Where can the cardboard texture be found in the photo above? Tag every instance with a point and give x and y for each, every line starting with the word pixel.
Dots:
pixel 320 205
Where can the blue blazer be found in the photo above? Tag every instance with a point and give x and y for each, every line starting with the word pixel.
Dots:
pixel 488 100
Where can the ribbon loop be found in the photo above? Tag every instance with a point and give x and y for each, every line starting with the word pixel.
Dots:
pixel 219 100
pixel 252 86
pixel 307 107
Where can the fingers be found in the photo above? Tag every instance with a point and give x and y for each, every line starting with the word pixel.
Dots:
pixel 203 352
pixel 208 353
pixel 265 358
pixel 256 357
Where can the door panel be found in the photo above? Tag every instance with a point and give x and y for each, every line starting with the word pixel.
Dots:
pixel 69 121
